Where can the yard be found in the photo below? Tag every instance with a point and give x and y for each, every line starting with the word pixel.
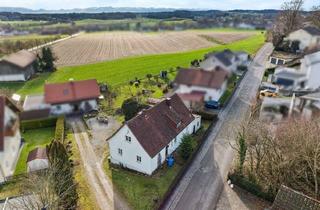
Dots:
pixel 118 72
pixel 146 192
pixel 33 138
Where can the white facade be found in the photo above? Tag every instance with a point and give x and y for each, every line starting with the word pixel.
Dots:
pixel 211 93
pixel 14 77
pixel 37 164
pixel 10 153
pixel 311 66
pixel 126 153
pixel 68 108
pixel 306 40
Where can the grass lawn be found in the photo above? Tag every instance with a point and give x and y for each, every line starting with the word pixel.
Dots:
pixel 33 138
pixel 119 71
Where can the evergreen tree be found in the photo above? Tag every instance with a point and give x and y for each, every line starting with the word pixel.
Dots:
pixel 47 60
pixel 186 147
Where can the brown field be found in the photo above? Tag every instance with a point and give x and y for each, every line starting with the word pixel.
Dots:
pixel 95 47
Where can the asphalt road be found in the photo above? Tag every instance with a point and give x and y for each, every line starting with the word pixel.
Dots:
pixel 202 185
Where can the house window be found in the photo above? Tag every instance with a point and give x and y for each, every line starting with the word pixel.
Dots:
pixel 138 159
pixel 58 107
pixel 175 140
pixel 128 139
pixel 198 123
pixel 120 152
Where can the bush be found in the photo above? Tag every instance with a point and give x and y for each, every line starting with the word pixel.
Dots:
pixel 186 147
pixel 34 124
pixel 131 107
pixel 207 115
pixel 59 133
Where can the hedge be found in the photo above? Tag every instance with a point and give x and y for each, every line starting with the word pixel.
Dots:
pixel 59 133
pixel 34 124
pixel 251 187
pixel 206 115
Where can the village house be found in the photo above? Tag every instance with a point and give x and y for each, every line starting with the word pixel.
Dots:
pixel 18 66
pixel 289 79
pixel 37 160
pixel 275 109
pixel 279 58
pixel 145 142
pixel 308 37
pixel 64 98
pixel 309 105
pixel 310 65
pixel 197 85
pixel 10 138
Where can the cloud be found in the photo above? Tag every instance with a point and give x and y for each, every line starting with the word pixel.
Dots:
pixel 202 4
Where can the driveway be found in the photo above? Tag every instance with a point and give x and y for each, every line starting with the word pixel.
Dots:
pixel 101 185
pixel 202 185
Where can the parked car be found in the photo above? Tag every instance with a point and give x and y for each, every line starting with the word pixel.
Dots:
pixel 268 86
pixel 268 93
pixel 102 119
pixel 212 105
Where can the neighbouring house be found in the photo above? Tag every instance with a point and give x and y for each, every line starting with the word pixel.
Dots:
pixel 225 59
pixel 310 105
pixel 308 37
pixel 197 85
pixel 290 199
pixel 37 160
pixel 64 98
pixel 10 138
pixel 289 79
pixel 144 142
pixel 19 66
pixel 310 65
pixel 275 109
pixel 279 58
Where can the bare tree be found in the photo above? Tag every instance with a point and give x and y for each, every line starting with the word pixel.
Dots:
pixel 315 16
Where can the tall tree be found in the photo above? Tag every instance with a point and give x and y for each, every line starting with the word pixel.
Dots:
pixel 47 60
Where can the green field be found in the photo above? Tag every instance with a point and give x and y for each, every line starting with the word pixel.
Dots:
pixel 33 138
pixel 120 71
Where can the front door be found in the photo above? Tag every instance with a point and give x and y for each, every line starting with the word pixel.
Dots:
pixel 167 148
pixel 159 160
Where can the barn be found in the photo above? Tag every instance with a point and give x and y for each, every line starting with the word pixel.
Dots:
pixel 18 66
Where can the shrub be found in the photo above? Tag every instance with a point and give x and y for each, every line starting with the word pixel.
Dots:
pixel 130 108
pixel 34 124
pixel 59 133
pixel 186 147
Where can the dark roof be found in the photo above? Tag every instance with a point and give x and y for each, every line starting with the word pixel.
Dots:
pixel 37 153
pixel 156 127
pixel 21 59
pixel 224 57
pixel 289 199
pixel 312 30
pixel 198 77
pixel 4 101
pixel 71 91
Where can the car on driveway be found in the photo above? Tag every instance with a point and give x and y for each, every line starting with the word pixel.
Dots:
pixel 212 105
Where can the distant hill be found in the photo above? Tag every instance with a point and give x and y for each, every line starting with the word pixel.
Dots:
pixel 87 10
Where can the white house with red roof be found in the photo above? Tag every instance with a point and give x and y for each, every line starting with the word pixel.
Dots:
pixel 66 98
pixel 10 138
pixel 144 142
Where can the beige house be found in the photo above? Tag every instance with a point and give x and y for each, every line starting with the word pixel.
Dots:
pixel 308 37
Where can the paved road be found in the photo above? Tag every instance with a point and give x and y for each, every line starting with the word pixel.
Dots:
pixel 201 186
pixel 101 185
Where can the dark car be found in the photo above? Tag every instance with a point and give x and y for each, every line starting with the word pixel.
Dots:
pixel 212 105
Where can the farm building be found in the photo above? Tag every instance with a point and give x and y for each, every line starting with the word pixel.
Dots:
pixel 196 85
pixel 308 37
pixel 37 160
pixel 18 66
pixel 64 98
pixel 10 138
pixel 166 123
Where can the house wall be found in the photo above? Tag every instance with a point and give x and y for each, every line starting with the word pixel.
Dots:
pixel 306 40
pixel 211 94
pixel 131 150
pixel 9 72
pixel 313 74
pixel 37 165
pixel 9 155
pixel 212 63
pixel 59 109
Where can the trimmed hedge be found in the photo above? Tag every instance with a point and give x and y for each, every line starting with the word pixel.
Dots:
pixel 34 124
pixel 251 187
pixel 59 133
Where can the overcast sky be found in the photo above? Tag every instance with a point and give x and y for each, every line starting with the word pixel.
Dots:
pixel 191 4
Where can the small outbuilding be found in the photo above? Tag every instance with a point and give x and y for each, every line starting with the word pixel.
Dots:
pixel 37 160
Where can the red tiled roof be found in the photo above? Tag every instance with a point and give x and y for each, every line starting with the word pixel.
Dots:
pixel 37 153
pixel 71 91
pixel 202 78
pixel 4 101
pixel 156 127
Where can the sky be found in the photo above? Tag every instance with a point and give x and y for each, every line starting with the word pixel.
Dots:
pixel 187 4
